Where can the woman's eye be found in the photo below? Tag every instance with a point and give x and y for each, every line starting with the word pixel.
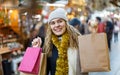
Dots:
pixel 52 23
pixel 59 21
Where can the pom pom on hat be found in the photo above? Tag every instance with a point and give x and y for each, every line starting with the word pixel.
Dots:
pixel 57 13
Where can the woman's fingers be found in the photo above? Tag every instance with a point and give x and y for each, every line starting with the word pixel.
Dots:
pixel 37 42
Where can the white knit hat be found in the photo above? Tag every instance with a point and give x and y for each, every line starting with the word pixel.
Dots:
pixel 57 13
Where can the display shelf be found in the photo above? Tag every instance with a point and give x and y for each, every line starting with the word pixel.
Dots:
pixel 4 50
pixel 7 50
pixel 8 40
pixel 4 26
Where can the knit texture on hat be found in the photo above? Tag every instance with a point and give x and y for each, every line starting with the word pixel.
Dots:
pixel 57 13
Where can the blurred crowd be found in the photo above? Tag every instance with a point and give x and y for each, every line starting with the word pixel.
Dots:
pixel 110 26
pixel 85 25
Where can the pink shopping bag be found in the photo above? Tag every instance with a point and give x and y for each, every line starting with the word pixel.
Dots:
pixel 31 60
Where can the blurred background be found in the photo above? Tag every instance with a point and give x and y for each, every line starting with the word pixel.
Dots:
pixel 23 20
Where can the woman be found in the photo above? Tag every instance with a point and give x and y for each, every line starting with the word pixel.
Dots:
pixel 61 45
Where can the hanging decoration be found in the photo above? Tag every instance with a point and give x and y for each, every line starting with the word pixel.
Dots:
pixel 39 9
pixel 3 17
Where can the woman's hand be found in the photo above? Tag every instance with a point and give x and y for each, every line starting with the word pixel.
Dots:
pixel 37 42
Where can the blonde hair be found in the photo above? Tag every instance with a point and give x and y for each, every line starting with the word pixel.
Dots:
pixel 73 32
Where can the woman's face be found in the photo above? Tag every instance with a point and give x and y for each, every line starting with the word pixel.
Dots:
pixel 58 26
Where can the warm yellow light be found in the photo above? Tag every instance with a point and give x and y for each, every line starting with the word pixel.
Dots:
pixel 10 11
pixel 79 9
pixel 60 5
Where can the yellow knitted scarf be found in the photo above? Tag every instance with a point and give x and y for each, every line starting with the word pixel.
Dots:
pixel 62 60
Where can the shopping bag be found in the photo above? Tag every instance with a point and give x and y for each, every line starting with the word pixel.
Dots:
pixel 31 60
pixel 94 53
pixel 23 73
pixel 43 64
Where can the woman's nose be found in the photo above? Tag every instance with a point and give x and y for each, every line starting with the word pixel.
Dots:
pixel 56 24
